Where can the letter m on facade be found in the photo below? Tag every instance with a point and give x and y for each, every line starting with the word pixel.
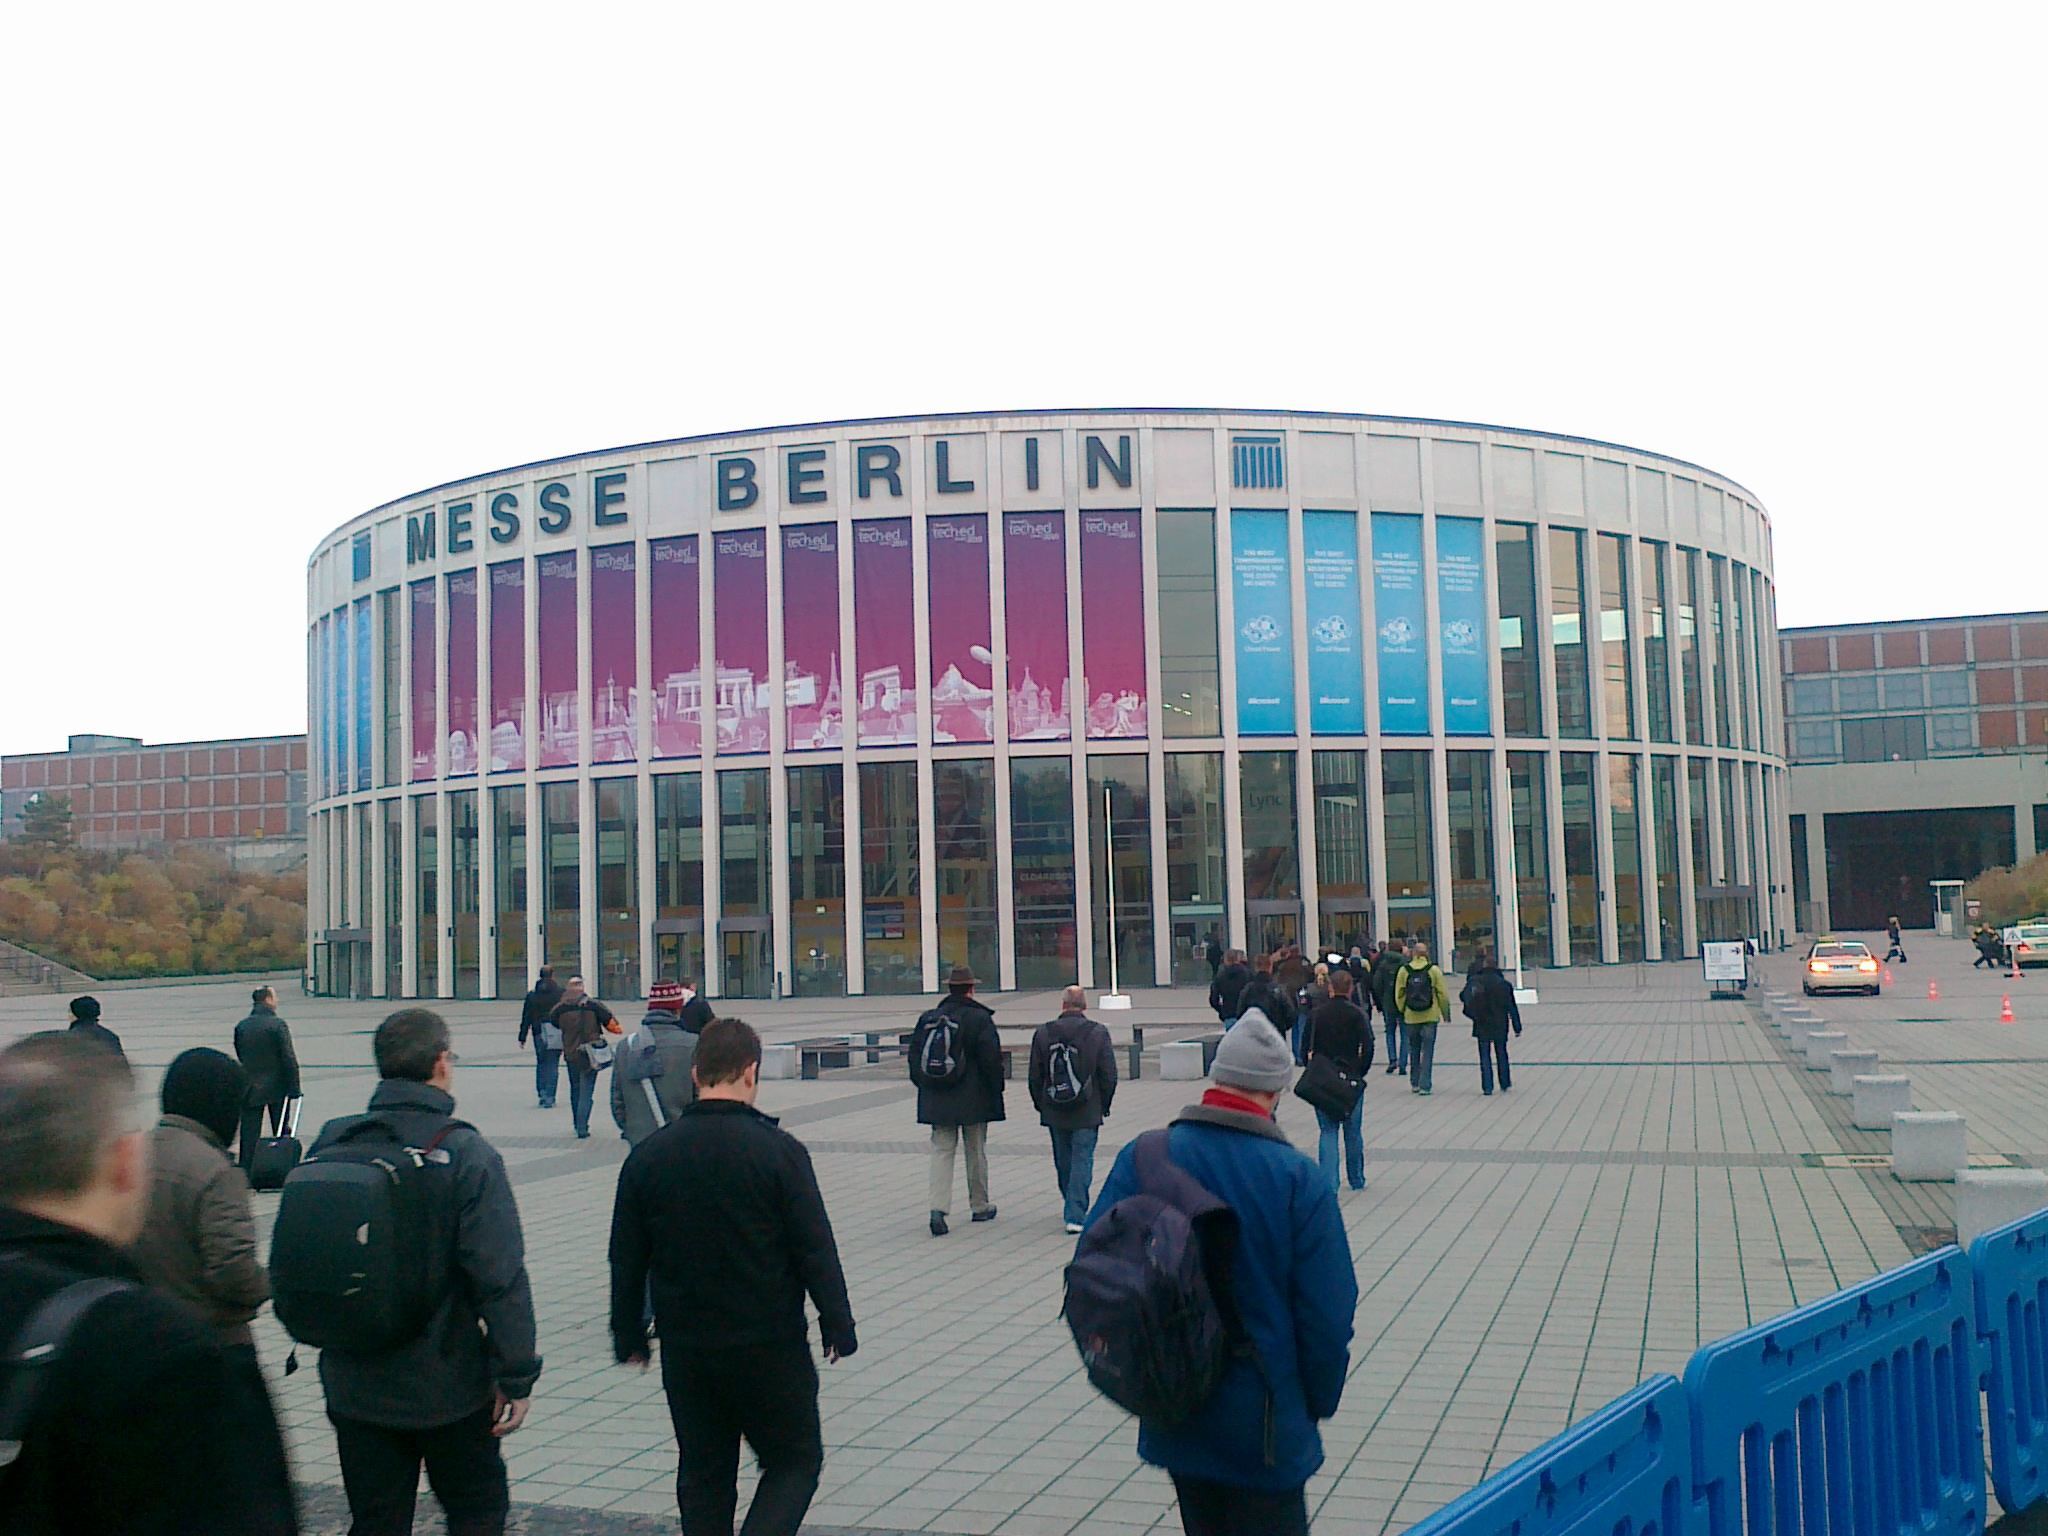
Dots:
pixel 419 537
pixel 1256 464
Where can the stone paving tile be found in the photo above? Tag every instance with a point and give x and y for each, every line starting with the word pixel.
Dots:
pixel 1651 1184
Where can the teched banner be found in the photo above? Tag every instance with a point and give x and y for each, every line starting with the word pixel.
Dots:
pixel 1336 653
pixel 1264 608
pixel 1113 624
pixel 963 665
pixel 1401 622
pixel 739 664
pixel 508 666
pixel 558 735
pixel 673 644
pixel 1461 625
pixel 812 708
pixel 424 649
pixel 614 656
pixel 1035 625
pixel 461 743
pixel 885 632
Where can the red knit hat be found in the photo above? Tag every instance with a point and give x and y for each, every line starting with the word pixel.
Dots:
pixel 666 994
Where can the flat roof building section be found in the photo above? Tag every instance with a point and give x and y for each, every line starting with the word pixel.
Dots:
pixel 827 709
pixel 245 796
pixel 1919 751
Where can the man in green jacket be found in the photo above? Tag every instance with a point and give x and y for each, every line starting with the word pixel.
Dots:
pixel 1424 1002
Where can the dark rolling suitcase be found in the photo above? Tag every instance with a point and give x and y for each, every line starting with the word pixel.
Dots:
pixel 277 1156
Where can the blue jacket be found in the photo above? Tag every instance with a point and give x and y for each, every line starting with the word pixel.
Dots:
pixel 1295 1289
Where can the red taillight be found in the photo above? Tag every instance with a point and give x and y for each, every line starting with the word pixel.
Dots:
pixel 1866 965
pixel 1816 965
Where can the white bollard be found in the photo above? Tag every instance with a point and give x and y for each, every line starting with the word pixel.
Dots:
pixel 1874 1100
pixel 1800 1029
pixel 1844 1067
pixel 1821 1044
pixel 1181 1062
pixel 1991 1197
pixel 1929 1145
pixel 779 1062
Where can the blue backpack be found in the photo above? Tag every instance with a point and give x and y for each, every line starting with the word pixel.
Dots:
pixel 1148 1294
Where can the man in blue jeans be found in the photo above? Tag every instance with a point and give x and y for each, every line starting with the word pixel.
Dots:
pixel 533 1020
pixel 1072 1080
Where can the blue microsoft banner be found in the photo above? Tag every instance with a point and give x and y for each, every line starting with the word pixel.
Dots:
pixel 1265 623
pixel 1336 660
pixel 1398 611
pixel 1461 622
pixel 361 685
pixel 338 712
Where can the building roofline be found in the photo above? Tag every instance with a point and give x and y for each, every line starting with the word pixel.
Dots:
pixel 1788 631
pixel 1145 410
pixel 285 739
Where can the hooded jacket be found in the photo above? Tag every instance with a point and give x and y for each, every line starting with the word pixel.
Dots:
pixel 1097 1067
pixel 1226 986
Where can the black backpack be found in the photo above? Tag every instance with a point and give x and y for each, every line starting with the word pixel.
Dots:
pixel 353 1257
pixel 1418 992
pixel 936 1060
pixel 1063 1082
pixel 36 1347
pixel 1148 1294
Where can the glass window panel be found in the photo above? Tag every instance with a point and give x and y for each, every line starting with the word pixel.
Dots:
pixel 1528 797
pixel 817 882
pixel 508 877
pixel 744 848
pixel 394 896
pixel 1411 854
pixel 1195 885
pixel 1189 668
pixel 1813 740
pixel 1656 644
pixel 1731 865
pixel 1857 693
pixel 1342 863
pixel 1514 559
pixel 1616 665
pixel 1689 644
pixel 964 835
pixel 1948 688
pixel 1470 807
pixel 1568 631
pixel 465 893
pixel 892 911
pixel 1812 695
pixel 1117 791
pixel 426 910
pixel 1905 692
pixel 1042 859
pixel 1702 849
pixel 561 882
pixel 618 888
pixel 1272 862
pixel 1664 818
pixel 1623 785
pixel 1717 649
pixel 1581 859
pixel 1744 663
pixel 1950 733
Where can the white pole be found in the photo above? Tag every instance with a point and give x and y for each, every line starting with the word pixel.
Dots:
pixel 1109 882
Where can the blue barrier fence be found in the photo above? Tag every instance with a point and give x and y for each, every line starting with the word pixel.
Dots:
pixel 2011 1268
pixel 1858 1415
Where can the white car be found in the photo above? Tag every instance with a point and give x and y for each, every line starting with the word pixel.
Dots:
pixel 2032 948
pixel 1841 965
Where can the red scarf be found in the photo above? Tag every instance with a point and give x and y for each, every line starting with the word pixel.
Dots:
pixel 1223 1098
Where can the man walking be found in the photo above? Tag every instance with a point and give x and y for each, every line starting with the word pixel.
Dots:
pixel 1385 966
pixel 1489 1001
pixel 547 1040
pixel 723 1212
pixel 1072 1081
pixel 1263 992
pixel 1227 985
pixel 1340 1030
pixel 446 1396
pixel 1424 1001
pixel 1897 951
pixel 651 1078
pixel 130 1423
pixel 956 1060
pixel 580 1019
pixel 85 1021
pixel 1240 1462
pixel 263 1044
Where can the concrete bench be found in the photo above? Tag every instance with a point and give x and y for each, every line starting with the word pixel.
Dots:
pixel 1182 1062
pixel 1874 1100
pixel 1844 1067
pixel 1821 1044
pixel 1991 1197
pixel 779 1062
pixel 1929 1145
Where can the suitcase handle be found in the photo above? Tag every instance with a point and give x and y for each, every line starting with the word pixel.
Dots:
pixel 291 1115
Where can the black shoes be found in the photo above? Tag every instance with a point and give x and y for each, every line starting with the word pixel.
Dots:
pixel 939 1228
pixel 987 1215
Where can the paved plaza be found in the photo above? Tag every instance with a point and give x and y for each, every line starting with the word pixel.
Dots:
pixel 1658 1178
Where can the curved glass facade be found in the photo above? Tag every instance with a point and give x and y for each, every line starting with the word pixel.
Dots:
pixel 1076 691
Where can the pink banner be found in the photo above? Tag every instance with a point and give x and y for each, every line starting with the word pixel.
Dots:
pixel 614 657
pixel 739 618
pixel 813 712
pixel 1113 624
pixel 885 631
pixel 463 754
pixel 558 733
pixel 678 684
pixel 1035 625
pixel 424 649
pixel 508 666
pixel 963 667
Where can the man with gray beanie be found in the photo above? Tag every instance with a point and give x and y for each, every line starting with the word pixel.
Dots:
pixel 1242 1460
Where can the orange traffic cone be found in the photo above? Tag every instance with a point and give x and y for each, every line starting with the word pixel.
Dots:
pixel 2005 1009
pixel 1933 992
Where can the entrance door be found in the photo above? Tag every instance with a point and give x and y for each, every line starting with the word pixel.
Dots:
pixel 1191 926
pixel 679 949
pixel 1346 920
pixel 1272 924
pixel 746 952
pixel 341 964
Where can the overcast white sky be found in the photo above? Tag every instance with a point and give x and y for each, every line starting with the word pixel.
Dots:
pixel 269 266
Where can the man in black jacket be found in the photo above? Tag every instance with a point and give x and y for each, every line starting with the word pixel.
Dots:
pixel 263 1043
pixel 723 1210
pixel 1228 985
pixel 533 1020
pixel 135 1429
pixel 85 1021
pixel 1489 999
pixel 1072 1081
pixel 1264 993
pixel 696 1012
pixel 960 1108
pixel 447 1397
pixel 1385 965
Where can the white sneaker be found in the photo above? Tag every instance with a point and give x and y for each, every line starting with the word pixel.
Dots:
pixel 1073 1229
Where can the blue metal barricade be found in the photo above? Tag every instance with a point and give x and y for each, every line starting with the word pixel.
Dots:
pixel 1857 1414
pixel 1628 1468
pixel 2010 1267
